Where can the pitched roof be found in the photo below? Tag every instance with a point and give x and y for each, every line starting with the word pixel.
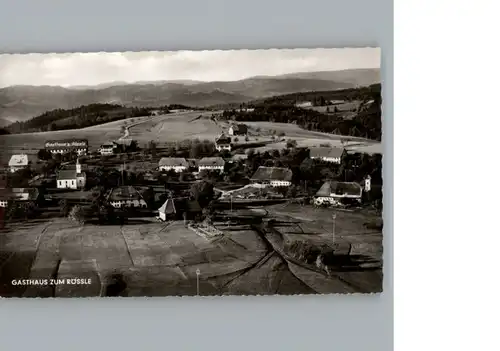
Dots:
pixel 272 173
pixel 223 139
pixel 173 162
pixel 18 160
pixel 124 193
pixel 211 161
pixel 19 193
pixel 333 152
pixel 125 142
pixel 168 207
pixel 66 174
pixel 339 189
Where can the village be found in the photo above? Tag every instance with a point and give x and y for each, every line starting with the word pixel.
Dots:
pixel 210 188
pixel 69 172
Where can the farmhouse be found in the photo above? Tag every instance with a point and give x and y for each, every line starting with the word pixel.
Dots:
pixel 238 129
pixel 18 162
pixel 80 146
pixel 272 176
pixel 211 164
pixel 126 196
pixel 72 178
pixel 107 149
pixel 177 208
pixel 334 193
pixel 173 163
pixel 328 154
pixel 18 195
pixel 304 104
pixel 223 142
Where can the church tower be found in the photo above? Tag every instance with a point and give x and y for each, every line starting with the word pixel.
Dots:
pixel 78 166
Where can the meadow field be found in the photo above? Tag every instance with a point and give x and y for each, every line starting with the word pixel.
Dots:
pixel 176 127
pixel 161 259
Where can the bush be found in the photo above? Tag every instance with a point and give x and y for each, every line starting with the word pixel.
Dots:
pixel 291 143
pixel 76 214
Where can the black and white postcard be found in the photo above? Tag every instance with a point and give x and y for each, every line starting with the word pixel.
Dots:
pixel 239 172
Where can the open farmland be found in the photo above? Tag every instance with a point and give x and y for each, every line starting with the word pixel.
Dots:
pixel 161 259
pixel 176 127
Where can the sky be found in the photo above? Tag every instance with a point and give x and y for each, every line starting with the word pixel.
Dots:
pixel 216 65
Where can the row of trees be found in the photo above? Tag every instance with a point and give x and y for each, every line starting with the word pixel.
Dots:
pixel 79 117
pixel 367 123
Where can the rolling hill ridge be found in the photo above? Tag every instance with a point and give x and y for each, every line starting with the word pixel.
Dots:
pixel 19 103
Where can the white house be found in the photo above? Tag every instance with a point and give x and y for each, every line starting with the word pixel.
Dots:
pixel 107 149
pixel 173 163
pixel 211 164
pixel 368 183
pixel 272 176
pixel 126 196
pixel 304 104
pixel 332 193
pixel 18 195
pixel 80 146
pixel 223 142
pixel 18 162
pixel 72 178
pixel 328 154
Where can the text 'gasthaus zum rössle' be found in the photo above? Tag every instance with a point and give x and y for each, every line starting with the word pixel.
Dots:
pixel 47 282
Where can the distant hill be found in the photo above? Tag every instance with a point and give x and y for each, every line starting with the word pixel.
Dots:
pixel 19 103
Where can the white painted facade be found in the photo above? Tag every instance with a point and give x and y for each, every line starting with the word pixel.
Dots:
pixel 328 159
pixel 221 147
pixel 79 152
pixel 107 150
pixel 67 184
pixel 211 168
pixel 368 184
pixel 177 169
pixel 129 203
pixel 278 183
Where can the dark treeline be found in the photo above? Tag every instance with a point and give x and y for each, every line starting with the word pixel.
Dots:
pixel 79 117
pixel 367 123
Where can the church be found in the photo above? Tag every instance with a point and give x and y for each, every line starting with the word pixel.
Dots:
pixel 71 178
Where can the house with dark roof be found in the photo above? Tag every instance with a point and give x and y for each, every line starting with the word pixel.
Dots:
pixel 107 148
pixel 71 178
pixel 272 176
pixel 333 193
pixel 223 142
pixel 238 129
pixel 177 164
pixel 80 146
pixel 126 196
pixel 211 164
pixel 328 154
pixel 18 162
pixel 18 195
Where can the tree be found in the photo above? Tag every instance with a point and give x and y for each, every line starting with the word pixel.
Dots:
pixel 236 139
pixel 247 138
pixel 291 191
pixel 77 214
pixel 291 143
pixel 203 192
pixel 64 207
pixel 44 155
